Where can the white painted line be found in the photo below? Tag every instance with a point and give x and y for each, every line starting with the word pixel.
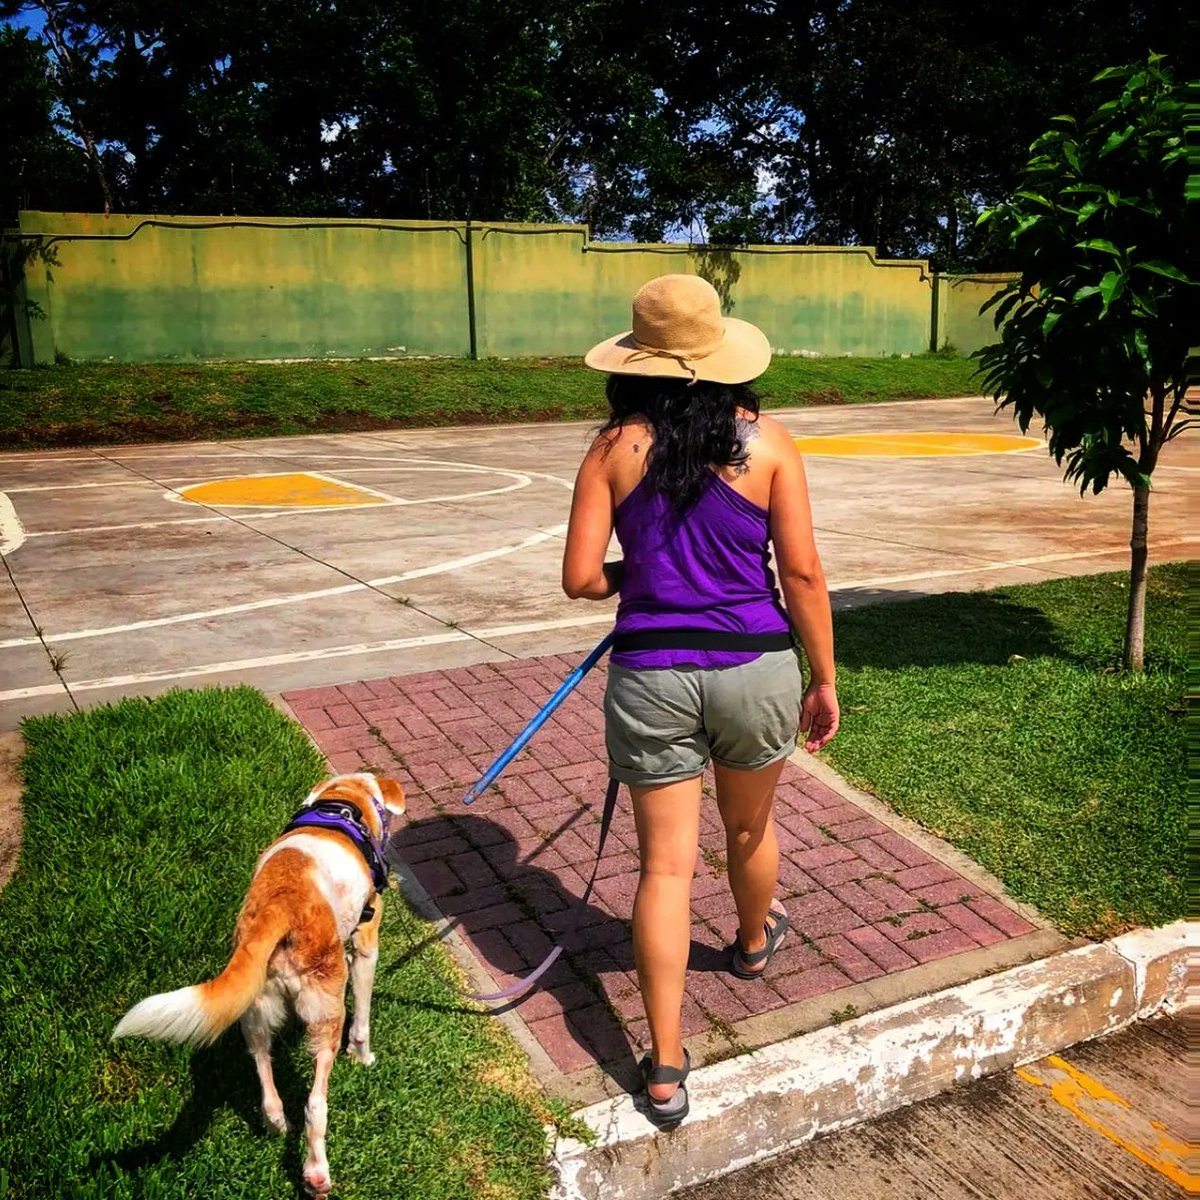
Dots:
pixel 453 564
pixel 418 465
pixel 45 456
pixel 75 487
pixel 213 520
pixel 240 664
pixel 1039 560
pixel 12 532
pixel 298 656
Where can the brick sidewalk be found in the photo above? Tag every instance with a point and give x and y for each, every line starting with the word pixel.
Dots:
pixel 865 902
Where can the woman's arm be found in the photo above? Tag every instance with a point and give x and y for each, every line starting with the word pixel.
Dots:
pixel 585 574
pixel 802 581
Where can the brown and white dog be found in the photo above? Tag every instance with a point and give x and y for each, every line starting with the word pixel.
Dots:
pixel 313 890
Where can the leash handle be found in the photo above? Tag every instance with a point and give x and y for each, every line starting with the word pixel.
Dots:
pixel 578 909
pixel 568 685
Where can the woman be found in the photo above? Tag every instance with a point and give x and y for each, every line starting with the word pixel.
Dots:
pixel 699 488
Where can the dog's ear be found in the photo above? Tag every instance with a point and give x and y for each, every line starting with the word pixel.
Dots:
pixel 393 796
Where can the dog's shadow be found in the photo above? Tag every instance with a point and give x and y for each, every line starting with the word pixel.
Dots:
pixel 222 1077
pixel 514 912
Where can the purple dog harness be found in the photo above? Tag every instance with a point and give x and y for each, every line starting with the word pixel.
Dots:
pixel 342 817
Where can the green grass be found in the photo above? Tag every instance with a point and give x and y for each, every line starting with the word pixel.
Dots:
pixel 143 821
pixel 1002 723
pixel 105 403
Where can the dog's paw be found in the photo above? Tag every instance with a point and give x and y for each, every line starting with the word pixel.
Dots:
pixel 276 1121
pixel 360 1054
pixel 317 1181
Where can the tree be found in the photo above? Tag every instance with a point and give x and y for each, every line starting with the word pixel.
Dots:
pixel 34 158
pixel 1094 335
pixel 912 115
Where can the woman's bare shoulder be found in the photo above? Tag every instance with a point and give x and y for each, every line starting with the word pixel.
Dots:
pixel 632 437
pixel 766 436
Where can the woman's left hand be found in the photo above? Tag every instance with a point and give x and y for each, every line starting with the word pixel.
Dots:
pixel 819 716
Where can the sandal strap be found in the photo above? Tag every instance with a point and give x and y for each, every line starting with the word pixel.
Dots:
pixel 661 1074
pixel 773 931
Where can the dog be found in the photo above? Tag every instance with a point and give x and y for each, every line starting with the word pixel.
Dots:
pixel 317 886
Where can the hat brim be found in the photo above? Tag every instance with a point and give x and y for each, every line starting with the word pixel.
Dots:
pixel 743 355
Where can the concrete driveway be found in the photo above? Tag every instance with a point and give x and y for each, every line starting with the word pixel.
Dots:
pixel 292 562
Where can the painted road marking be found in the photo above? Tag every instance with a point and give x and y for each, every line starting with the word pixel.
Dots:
pixel 541 536
pixel 915 445
pixel 274 660
pixel 1114 1117
pixel 297 489
pixel 452 564
pixel 520 479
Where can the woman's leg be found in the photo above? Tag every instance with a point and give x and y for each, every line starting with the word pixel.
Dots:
pixel 745 799
pixel 668 828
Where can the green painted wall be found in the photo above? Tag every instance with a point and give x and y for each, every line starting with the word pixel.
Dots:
pixel 144 289
pixel 210 288
pixel 552 292
pixel 959 299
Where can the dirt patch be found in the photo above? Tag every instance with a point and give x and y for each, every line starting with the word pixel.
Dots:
pixel 183 427
pixel 821 398
pixel 11 819
pixel 201 426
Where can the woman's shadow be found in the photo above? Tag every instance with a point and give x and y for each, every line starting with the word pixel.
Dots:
pixel 513 912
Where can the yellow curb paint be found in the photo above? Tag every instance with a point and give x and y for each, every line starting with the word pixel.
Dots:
pixel 296 490
pixel 1112 1116
pixel 914 445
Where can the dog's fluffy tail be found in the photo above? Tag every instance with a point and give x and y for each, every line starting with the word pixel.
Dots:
pixel 202 1013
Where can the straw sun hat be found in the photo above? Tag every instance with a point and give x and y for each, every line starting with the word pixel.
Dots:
pixel 678 333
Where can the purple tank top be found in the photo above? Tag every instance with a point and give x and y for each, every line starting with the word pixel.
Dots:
pixel 708 568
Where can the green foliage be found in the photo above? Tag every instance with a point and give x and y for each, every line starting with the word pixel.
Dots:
pixel 1094 336
pixel 34 159
pixel 98 403
pixel 873 122
pixel 1001 722
pixel 143 822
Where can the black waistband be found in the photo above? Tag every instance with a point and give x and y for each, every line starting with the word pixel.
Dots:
pixel 701 639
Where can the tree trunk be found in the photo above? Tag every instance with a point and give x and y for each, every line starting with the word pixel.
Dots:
pixel 1135 626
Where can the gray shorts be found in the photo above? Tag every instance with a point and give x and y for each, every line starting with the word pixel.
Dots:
pixel 665 725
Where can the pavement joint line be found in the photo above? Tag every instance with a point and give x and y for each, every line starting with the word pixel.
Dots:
pixel 775 1099
pixel 39 638
pixel 887 541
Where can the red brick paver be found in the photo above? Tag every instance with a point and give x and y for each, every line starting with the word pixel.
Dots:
pixel 863 900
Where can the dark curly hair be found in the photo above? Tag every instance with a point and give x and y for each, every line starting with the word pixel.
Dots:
pixel 695 427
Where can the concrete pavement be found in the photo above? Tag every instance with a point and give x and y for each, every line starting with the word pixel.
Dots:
pixel 1106 1120
pixel 124 574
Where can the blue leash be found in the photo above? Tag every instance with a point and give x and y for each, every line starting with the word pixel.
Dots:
pixel 610 804
pixel 568 685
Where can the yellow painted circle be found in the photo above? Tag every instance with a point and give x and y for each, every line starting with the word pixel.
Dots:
pixel 295 490
pixel 914 445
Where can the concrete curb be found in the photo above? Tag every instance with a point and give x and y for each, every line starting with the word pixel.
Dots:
pixel 762 1104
